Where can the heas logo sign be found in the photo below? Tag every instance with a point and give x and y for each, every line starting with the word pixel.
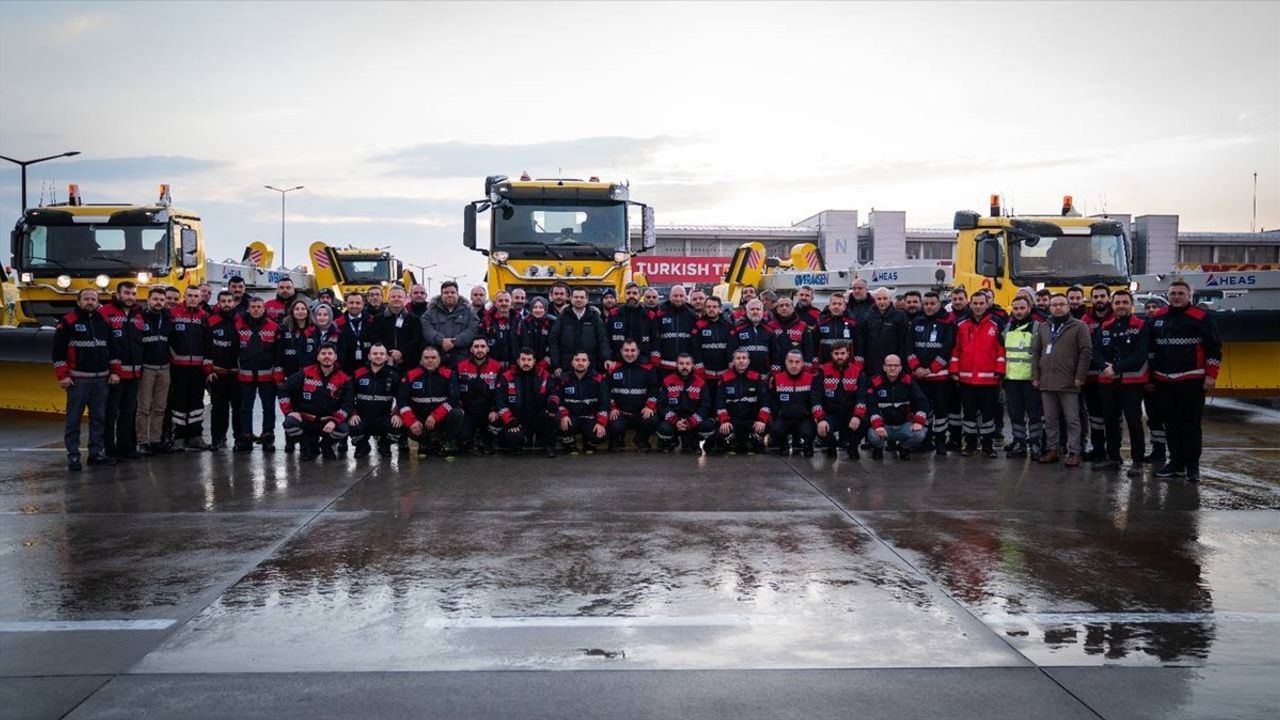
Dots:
pixel 884 276
pixel 1220 280
pixel 811 279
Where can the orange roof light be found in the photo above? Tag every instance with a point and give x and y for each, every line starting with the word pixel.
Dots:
pixel 1067 204
pixel 995 206
pixel 73 194
pixel 164 194
pixel 525 176
pixel 594 178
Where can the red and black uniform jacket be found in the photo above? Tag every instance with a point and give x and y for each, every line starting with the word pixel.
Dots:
pixel 840 388
pixel 223 344
pixel 1185 345
pixel 535 333
pixel 794 397
pixel 277 307
pixel 711 356
pixel 523 396
pixel 427 393
pixel 632 387
pixel 1094 321
pixel 685 398
pixel 188 338
pixel 155 338
pixel 740 397
pixel 626 322
pixel 978 355
pixel 354 338
pixel 791 333
pixel 256 353
pixel 893 402
pixel 1126 345
pixel 582 397
pixel 478 383
pixel 757 340
pixel 672 334
pixel 932 339
pixel 809 314
pixel 503 333
pixel 375 392
pixel 82 346
pixel 126 339
pixel 831 329
pixel 317 396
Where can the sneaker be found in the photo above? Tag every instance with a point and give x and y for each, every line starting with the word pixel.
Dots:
pixel 242 446
pixel 384 448
pixel 268 442
pixel 102 459
pixel 328 452
pixel 1015 451
pixel 1073 460
pixel 1106 465
pixel 306 451
pixel 197 444
pixel 363 449
pixel 989 451
pixel 1095 455
pixel 145 451
pixel 904 454
pixel 940 450
pixel 73 464
pixel 1135 470
pixel 1169 470
pixel 969 451
pixel 1193 474
pixel 1156 456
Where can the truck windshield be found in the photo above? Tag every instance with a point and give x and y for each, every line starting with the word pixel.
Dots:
pixel 1070 259
pixel 92 249
pixel 523 227
pixel 362 271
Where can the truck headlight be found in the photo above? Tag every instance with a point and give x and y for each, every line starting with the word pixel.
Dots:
pixel 534 270
pixel 102 281
pixel 500 256
pixel 64 281
pixel 26 277
pixel 620 257
pixel 144 278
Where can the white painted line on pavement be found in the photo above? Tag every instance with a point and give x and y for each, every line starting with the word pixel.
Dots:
pixel 1087 618
pixel 80 625
pixel 561 621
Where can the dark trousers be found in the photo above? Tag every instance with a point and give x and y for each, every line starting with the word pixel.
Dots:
pixel 584 425
pixel 1026 413
pixel 742 437
pixel 264 391
pixel 668 433
pixel 87 394
pixel 531 431
pixel 644 428
pixel 840 434
pixel 1092 396
pixel 797 430
pixel 979 405
pixel 224 408
pixel 475 425
pixel 374 426
pixel 312 430
pixel 1183 409
pixel 187 408
pixel 955 414
pixel 445 431
pixel 939 394
pixel 1155 416
pixel 1121 399
pixel 120 434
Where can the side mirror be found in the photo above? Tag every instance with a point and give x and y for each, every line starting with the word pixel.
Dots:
pixel 965 220
pixel 648 231
pixel 190 248
pixel 15 243
pixel 987 262
pixel 469 227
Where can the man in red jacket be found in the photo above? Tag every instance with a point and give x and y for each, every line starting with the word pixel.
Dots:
pixel 977 363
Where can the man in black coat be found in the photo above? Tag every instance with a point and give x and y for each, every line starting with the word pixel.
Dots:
pixel 578 328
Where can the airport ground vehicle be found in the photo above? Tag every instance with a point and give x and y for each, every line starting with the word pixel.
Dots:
pixel 804 265
pixel 557 230
pixel 62 248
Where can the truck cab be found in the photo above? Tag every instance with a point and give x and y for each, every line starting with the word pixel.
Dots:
pixel 63 248
pixel 1005 253
pixel 557 230
pixel 354 269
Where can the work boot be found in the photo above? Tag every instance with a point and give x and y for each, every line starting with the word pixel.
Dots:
pixel 197 444
pixel 1049 457
pixel 1097 454
pixel 447 451
pixel 970 447
pixel 362 448
pixel 831 449
pixel 268 441
pixel 1073 460
pixel 307 450
pixel 73 463
pixel 101 459
pixel 877 453
pixel 1169 470
pixel 327 451
pixel 904 454
pixel 1156 456
pixel 853 453
pixel 423 450
pixel 384 448
pixel 1193 473
pixel 289 444
pixel 244 444
pixel 1016 450
pixel 145 450
pixel 1135 470
pixel 1107 464
pixel 806 448
pixel 989 450
pixel 550 451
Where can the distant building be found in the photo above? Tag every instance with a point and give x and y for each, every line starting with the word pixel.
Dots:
pixel 698 254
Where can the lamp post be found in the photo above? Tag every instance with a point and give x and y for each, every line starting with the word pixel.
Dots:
pixel 422 270
pixel 24 163
pixel 283 192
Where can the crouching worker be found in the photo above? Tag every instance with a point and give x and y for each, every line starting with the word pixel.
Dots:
pixel 428 405
pixel 524 414
pixel 316 402
pixel 739 401
pixel 583 402
pixel 687 408
pixel 898 411
pixel 795 407
pixel 633 398
pixel 376 386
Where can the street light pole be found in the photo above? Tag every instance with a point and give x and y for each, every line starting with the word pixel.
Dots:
pixel 24 163
pixel 283 192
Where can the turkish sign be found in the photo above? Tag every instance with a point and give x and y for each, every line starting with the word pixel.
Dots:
pixel 677 269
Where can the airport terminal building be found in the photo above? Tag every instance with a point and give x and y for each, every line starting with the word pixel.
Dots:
pixel 698 254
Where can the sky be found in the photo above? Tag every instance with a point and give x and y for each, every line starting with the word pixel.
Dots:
pixel 761 113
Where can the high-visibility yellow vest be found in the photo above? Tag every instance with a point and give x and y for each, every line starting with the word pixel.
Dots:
pixel 1017 351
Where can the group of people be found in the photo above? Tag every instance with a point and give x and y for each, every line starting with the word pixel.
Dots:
pixel 556 373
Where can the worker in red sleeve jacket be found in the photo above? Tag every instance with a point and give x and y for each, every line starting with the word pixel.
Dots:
pixel 754 333
pixel 120 435
pixel 834 325
pixel 316 402
pixel 222 343
pixel 258 373
pixel 429 405
pixel 931 337
pixel 740 421
pixel 794 407
pixel 711 354
pixel 840 391
pixel 1185 358
pixel 82 364
pixel 633 398
pixel 478 376
pixel 188 370
pixel 583 405
pixel 524 409
pixel 977 364
pixel 790 333
pixel 1121 345
pixel 897 411
pixel 686 408
pixel 1099 312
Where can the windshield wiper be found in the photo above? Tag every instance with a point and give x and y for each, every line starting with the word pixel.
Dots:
pixel 535 243
pixel 126 263
pixel 59 263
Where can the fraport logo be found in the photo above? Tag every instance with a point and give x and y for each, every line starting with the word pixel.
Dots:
pixel 884 276
pixel 811 279
pixel 1216 280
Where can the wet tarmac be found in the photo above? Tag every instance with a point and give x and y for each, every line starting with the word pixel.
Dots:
pixel 221 585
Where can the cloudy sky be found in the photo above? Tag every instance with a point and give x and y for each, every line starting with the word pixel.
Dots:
pixel 756 113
